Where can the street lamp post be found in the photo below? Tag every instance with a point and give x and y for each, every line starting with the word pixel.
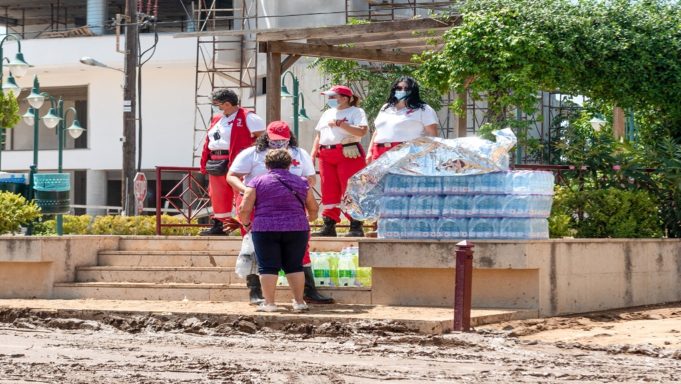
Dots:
pixel 18 67
pixel 54 118
pixel 31 117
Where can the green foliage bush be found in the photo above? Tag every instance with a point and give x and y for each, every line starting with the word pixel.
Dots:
pixel 116 225
pixel 603 213
pixel 16 211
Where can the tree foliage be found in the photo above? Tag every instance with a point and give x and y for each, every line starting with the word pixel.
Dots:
pixel 620 52
pixel 9 111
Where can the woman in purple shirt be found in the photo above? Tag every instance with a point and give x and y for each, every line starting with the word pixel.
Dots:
pixel 280 227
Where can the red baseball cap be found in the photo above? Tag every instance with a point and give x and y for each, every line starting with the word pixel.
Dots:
pixel 338 90
pixel 278 130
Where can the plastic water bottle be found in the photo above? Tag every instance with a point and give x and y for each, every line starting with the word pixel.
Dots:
pixel 483 228
pixel 487 205
pixel 521 182
pixel 281 280
pixel 392 228
pixel 322 271
pixel 452 228
pixel 396 185
pixel 394 206
pixel 347 272
pixel 516 206
pixel 429 185
pixel 422 228
pixel 457 206
pixel 513 228
pixel 411 184
pixel 495 182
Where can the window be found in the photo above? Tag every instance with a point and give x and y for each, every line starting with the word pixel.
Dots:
pixel 20 138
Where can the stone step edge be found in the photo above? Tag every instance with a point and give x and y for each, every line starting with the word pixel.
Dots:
pixel 187 286
pixel 168 253
pixel 132 268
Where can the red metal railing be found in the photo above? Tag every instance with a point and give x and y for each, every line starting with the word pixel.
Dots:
pixel 188 196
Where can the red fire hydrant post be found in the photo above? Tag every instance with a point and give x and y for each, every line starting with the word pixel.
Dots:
pixel 463 285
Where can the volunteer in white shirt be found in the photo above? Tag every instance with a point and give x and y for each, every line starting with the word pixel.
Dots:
pixel 230 132
pixel 340 155
pixel 405 117
pixel 250 163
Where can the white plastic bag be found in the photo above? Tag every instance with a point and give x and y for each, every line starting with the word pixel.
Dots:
pixel 247 247
pixel 244 265
pixel 245 262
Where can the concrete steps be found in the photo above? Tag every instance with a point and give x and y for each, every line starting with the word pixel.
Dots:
pixel 190 275
pixel 193 292
pixel 147 258
pixel 172 268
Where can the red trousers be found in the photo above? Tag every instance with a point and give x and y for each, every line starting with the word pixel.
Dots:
pixel 335 170
pixel 306 258
pixel 221 194
pixel 377 151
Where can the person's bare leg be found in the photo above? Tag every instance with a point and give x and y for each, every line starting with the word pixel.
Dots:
pixel 269 286
pixel 296 281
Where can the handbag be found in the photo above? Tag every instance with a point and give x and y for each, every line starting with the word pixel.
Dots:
pixel 216 167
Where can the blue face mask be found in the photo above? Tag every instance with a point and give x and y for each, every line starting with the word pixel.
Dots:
pixel 278 144
pixel 332 103
pixel 400 95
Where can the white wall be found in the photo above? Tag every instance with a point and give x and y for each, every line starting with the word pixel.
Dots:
pixel 167 100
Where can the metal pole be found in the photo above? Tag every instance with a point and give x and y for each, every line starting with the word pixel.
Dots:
pixel 60 149
pixel 296 99
pixel 2 136
pixel 129 109
pixel 463 286
pixel 158 201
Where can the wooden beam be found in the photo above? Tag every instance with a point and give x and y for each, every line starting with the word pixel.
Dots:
pixel 338 52
pixel 273 87
pixel 288 62
pixel 340 30
pixel 401 43
pixel 274 34
pixel 618 122
pixel 381 36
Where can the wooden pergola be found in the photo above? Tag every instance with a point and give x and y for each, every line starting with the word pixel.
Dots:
pixel 385 42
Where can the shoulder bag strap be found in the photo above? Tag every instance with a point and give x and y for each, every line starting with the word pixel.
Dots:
pixel 290 189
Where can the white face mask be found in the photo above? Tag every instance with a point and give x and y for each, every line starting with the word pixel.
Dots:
pixel 277 144
pixel 332 103
pixel 401 95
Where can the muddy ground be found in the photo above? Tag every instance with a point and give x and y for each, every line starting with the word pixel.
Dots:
pixel 643 345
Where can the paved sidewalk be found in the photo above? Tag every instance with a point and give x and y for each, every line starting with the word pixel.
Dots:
pixel 422 319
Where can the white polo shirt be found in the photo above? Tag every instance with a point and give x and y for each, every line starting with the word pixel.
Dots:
pixel 251 163
pixel 406 124
pixel 334 135
pixel 223 128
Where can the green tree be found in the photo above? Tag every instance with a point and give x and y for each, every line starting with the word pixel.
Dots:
pixel 620 52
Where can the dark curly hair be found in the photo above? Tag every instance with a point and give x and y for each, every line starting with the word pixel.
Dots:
pixel 413 100
pixel 224 95
pixel 262 143
pixel 278 159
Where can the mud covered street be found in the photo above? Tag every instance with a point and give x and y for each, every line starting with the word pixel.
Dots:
pixel 39 347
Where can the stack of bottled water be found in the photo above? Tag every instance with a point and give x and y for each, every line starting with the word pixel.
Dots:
pixel 498 205
pixel 339 269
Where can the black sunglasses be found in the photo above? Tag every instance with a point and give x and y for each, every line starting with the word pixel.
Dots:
pixel 398 88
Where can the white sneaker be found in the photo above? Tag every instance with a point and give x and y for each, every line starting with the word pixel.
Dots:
pixel 299 307
pixel 264 307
